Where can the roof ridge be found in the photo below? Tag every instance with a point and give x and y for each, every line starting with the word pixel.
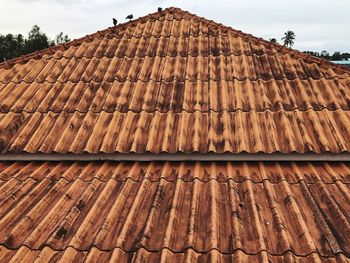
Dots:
pixel 155 15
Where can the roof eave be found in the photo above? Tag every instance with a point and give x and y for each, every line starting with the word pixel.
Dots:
pixel 176 157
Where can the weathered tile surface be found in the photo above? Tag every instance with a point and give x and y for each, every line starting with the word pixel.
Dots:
pixel 173 82
pixel 217 209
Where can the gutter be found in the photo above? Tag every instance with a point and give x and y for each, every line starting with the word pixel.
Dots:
pixel 176 157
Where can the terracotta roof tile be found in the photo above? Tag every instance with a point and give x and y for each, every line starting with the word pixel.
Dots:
pixel 173 82
pixel 239 172
pixel 165 71
pixel 175 96
pixel 158 68
pixel 118 255
pixel 273 207
pixel 139 132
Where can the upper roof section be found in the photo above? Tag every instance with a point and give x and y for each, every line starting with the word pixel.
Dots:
pixel 173 82
pixel 171 61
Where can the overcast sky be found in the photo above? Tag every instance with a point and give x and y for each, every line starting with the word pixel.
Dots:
pixel 318 24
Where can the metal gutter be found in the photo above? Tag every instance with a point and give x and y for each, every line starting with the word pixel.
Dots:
pixel 176 157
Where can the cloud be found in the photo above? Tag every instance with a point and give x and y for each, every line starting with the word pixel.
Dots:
pixel 318 24
pixel 60 2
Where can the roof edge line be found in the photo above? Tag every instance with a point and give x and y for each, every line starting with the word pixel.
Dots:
pixel 176 157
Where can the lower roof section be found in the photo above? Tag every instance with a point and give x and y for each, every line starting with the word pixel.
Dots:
pixel 210 211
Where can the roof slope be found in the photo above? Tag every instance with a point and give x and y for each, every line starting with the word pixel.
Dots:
pixel 173 82
pixel 175 210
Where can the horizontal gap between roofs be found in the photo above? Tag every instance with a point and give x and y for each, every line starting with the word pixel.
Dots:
pixel 169 180
pixel 277 156
pixel 276 110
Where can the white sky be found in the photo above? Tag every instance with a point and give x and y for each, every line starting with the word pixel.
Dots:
pixel 318 24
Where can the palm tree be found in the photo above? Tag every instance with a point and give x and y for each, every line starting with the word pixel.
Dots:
pixel 273 40
pixel 288 39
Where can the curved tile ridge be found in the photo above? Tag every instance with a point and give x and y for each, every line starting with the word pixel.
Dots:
pixel 239 172
pixel 171 52
pixel 173 111
pixel 177 96
pixel 158 215
pixel 223 132
pixel 118 255
pixel 174 12
pixel 167 180
pixel 167 69
pixel 158 79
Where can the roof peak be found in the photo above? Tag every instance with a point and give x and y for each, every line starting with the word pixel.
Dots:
pixel 172 10
pixel 87 38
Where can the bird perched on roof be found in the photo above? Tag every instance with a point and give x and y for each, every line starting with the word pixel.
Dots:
pixel 129 17
pixel 160 9
pixel 115 22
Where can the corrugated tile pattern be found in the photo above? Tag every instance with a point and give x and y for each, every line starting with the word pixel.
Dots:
pixel 176 96
pixel 218 132
pixel 216 68
pixel 47 254
pixel 173 82
pixel 183 56
pixel 176 23
pixel 239 172
pixel 221 210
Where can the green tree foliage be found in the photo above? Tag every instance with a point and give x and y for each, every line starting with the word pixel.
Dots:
pixel 337 56
pixel 36 40
pixel 61 38
pixel 288 39
pixel 324 54
pixel 12 46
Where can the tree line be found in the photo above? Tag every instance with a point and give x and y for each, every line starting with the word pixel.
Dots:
pixel 288 41
pixel 324 54
pixel 12 46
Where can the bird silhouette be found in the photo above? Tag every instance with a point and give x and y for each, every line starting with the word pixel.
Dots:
pixel 129 17
pixel 159 9
pixel 115 21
